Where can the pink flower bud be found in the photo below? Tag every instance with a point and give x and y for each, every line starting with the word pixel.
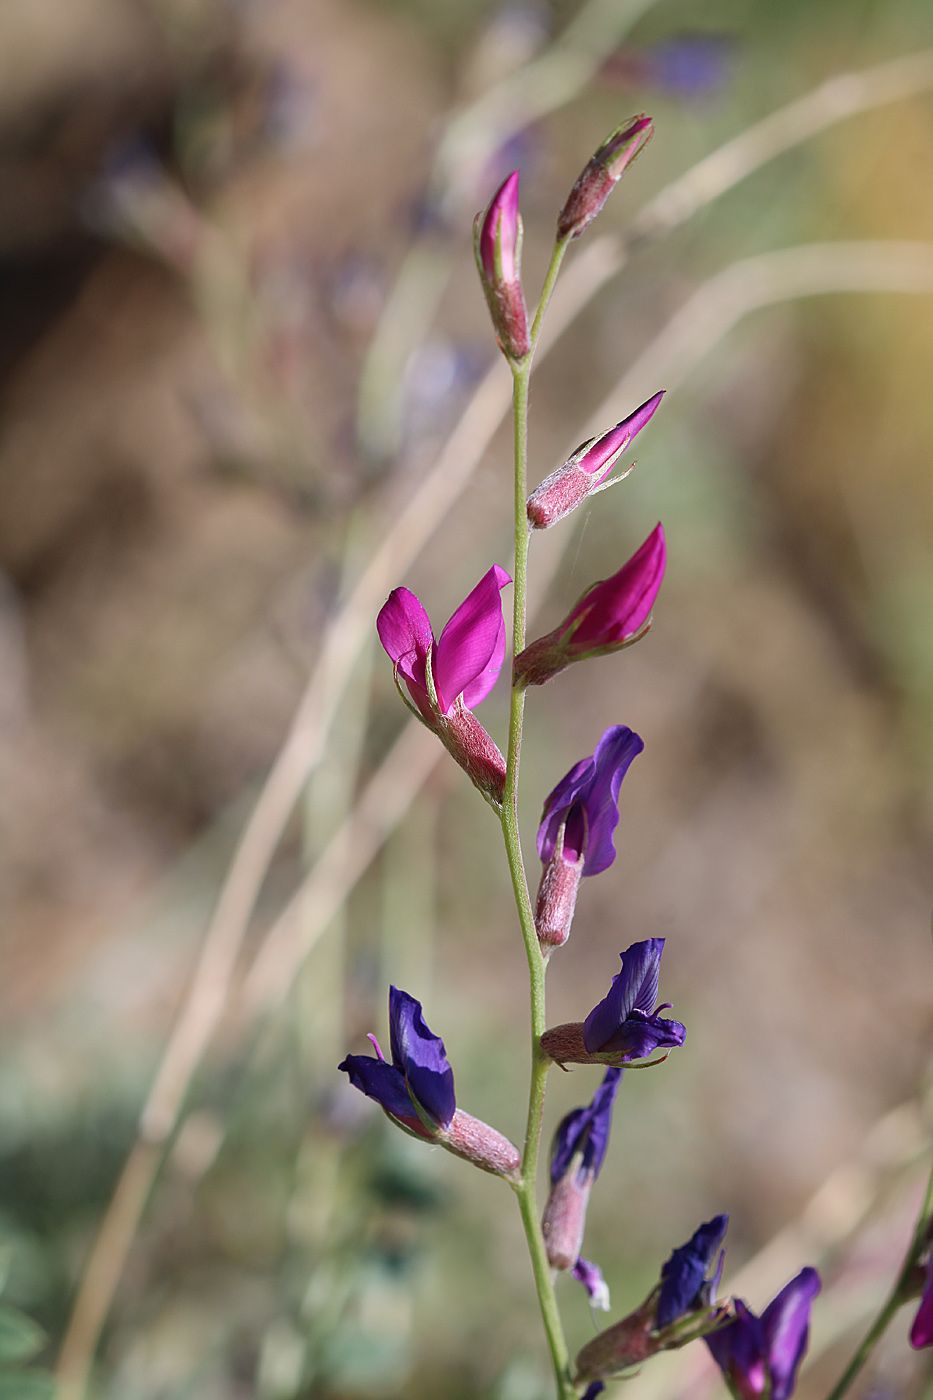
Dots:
pixel 497 242
pixel 561 492
pixel 611 614
pixel 480 1144
pixel 602 172
pixel 564 1219
pixel 557 899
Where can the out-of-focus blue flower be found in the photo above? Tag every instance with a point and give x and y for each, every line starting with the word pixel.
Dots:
pixel 760 1356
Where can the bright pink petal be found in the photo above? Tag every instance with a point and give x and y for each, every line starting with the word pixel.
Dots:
pixel 405 632
pixel 471 648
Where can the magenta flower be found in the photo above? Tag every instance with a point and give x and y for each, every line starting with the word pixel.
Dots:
pixel 577 1154
pixel 497 242
pixel 611 614
pixel 602 172
pixel 760 1356
pixel 921 1330
pixel 626 1025
pixel 416 1090
pixel 577 825
pixel 561 492
pixel 448 677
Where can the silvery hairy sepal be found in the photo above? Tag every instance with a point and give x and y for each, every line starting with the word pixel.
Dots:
pixel 601 174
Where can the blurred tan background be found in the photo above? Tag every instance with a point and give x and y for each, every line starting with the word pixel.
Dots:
pixel 206 209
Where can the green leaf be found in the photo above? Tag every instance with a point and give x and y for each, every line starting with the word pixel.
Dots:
pixel 20 1337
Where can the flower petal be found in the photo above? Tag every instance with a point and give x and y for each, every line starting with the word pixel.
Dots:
pixel 618 438
pixel 468 648
pixel 739 1351
pixel 587 1128
pixel 591 1276
pixel 381 1082
pixel 420 1056
pixel 785 1323
pixel 405 632
pixel 614 752
pixel 558 803
pixel 921 1331
pixel 683 1275
pixel 618 606
pixel 634 988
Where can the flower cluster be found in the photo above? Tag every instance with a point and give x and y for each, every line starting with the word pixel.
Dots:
pixel 442 680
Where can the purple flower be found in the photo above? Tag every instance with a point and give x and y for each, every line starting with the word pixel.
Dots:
pixel 626 1019
pixel 684 1285
pixel 419 1082
pixel 680 1308
pixel 497 242
pixel 921 1331
pixel 603 171
pixel 612 614
pixel 760 1356
pixel 575 835
pixel 626 1024
pixel 577 1154
pixel 417 1091
pixel 447 678
pixel 582 812
pixel 561 492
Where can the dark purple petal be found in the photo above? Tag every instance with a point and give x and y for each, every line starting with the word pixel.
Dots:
pixel 405 632
pixel 640 1036
pixel 586 1130
pixel 785 1323
pixel 617 607
pixel 634 988
pixel 739 1351
pixel 591 1276
pixel 593 1389
pixel 420 1056
pixel 471 648
pixel 614 752
pixel 683 1275
pixel 618 438
pixel 921 1331
pixel 381 1082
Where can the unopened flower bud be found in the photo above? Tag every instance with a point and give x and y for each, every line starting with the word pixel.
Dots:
pixel 611 614
pixel 497 242
pixel 564 1219
pixel 602 172
pixel 561 492
pixel 480 1144
pixel 557 897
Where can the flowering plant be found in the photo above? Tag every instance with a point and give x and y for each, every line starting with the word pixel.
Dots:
pixel 442 680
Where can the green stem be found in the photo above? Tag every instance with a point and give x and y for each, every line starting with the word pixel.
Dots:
pixel 896 1298
pixel 526 1190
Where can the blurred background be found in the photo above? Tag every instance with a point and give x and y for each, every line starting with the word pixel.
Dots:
pixel 241 319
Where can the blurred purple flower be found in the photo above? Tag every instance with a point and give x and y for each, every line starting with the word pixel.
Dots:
pixel 688 65
pixel 612 614
pixel 921 1331
pixel 760 1356
pixel 561 492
